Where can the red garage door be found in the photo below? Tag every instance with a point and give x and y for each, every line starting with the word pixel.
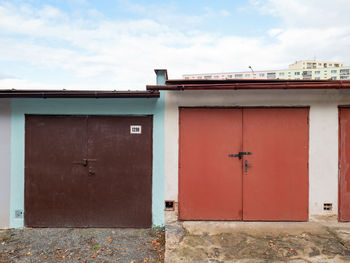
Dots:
pixel 88 171
pixel 344 180
pixel 243 164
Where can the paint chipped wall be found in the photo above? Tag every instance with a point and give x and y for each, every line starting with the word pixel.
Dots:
pixel 323 133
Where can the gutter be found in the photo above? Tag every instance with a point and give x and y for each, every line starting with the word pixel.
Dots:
pixel 77 94
pixel 258 86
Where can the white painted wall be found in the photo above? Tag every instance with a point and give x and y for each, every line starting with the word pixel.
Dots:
pixel 323 133
pixel 5 162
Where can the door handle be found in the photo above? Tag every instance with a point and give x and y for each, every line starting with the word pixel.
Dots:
pixel 245 153
pixel 234 155
pixel 85 162
pixel 246 165
pixel 240 154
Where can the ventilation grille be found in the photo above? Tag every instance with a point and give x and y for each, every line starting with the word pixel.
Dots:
pixel 169 205
pixel 327 206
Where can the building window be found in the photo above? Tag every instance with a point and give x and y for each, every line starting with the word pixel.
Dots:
pixel 319 64
pixel 344 77
pixel 199 77
pixel 187 78
pixel 317 72
pixel 239 76
pixel 317 78
pixel 296 73
pixel 271 75
pixel 207 77
pixel 334 78
pixel 247 75
pixel 216 77
pixel 281 74
pixel 229 76
pixel 344 71
pixel 262 75
pixel 330 65
pixel 333 71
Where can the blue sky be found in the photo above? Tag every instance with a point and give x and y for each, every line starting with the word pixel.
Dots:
pixel 116 44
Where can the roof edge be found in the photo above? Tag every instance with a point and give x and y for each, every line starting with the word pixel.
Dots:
pixel 254 85
pixel 78 94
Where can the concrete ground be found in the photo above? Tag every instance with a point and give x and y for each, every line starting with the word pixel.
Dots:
pixel 103 245
pixel 250 242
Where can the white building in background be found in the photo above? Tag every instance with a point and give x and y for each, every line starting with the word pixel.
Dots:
pixel 304 69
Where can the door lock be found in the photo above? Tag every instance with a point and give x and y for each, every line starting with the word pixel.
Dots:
pixel 246 165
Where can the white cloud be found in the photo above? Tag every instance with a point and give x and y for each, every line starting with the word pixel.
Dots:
pixel 101 53
pixel 310 28
pixel 273 32
pixel 307 13
pixel 9 83
pixel 225 12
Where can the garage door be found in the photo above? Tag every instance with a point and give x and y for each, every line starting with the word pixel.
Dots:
pixel 88 171
pixel 243 164
pixel 344 180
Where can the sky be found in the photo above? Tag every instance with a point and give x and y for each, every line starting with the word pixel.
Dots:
pixel 117 44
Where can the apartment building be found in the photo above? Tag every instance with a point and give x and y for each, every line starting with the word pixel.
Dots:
pixel 304 69
pixel 312 64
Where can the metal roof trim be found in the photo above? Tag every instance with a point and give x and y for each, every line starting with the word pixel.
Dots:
pixel 221 85
pixel 78 94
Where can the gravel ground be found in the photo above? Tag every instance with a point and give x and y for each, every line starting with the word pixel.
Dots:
pixel 82 245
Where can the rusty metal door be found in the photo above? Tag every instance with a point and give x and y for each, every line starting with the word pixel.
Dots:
pixel 210 182
pixel 275 176
pixel 243 164
pixel 88 171
pixel 344 160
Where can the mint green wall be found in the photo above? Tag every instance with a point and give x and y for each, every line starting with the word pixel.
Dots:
pixel 110 106
pixel 5 160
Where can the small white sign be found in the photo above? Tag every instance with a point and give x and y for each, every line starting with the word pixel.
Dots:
pixel 135 129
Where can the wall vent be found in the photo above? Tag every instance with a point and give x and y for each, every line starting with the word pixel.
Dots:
pixel 169 205
pixel 327 206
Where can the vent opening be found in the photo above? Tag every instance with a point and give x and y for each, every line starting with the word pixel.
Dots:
pixel 327 206
pixel 169 205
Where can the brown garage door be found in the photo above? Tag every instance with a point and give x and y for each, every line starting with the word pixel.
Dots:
pixel 243 164
pixel 344 161
pixel 88 171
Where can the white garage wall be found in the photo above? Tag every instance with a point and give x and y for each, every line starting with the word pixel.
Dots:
pixel 323 133
pixel 5 146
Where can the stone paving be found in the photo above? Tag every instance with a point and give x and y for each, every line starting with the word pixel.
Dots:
pixel 250 242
